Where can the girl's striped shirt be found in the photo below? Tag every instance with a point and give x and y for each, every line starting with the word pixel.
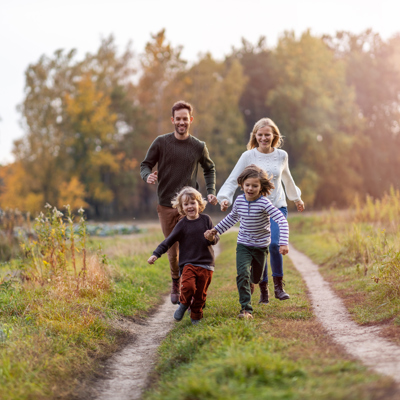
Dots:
pixel 254 222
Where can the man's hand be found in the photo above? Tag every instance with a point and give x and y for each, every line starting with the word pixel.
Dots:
pixel 300 205
pixel 152 178
pixel 210 234
pixel 152 259
pixel 224 205
pixel 283 249
pixel 212 199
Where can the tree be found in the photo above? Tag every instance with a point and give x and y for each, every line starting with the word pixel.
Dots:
pixel 372 68
pixel 256 61
pixel 315 109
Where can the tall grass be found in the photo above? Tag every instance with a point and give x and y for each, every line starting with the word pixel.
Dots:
pixel 385 211
pixel 61 303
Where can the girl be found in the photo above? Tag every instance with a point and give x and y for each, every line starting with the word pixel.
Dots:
pixel 253 210
pixel 263 151
pixel 196 255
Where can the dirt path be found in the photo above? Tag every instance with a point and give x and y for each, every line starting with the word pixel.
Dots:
pixel 361 342
pixel 128 370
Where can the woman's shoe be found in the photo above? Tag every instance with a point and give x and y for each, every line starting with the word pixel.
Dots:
pixel 279 291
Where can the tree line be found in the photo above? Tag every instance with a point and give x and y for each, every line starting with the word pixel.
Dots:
pixel 88 123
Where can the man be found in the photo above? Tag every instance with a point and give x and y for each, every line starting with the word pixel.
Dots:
pixel 178 155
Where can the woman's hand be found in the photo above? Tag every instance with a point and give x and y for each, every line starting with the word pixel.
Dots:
pixel 283 250
pixel 210 234
pixel 224 205
pixel 300 205
pixel 152 259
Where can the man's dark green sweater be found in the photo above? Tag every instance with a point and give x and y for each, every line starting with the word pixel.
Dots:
pixel 178 162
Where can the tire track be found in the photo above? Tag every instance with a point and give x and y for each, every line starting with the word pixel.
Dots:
pixel 362 342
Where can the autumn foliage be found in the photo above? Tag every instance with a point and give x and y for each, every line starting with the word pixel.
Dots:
pixel 89 122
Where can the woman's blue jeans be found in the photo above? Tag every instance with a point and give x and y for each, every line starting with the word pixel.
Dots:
pixel 276 259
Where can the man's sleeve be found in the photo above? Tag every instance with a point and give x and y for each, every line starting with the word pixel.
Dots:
pixel 150 160
pixel 209 170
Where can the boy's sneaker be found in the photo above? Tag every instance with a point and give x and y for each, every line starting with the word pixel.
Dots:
pixel 180 312
pixel 196 321
pixel 175 291
pixel 245 315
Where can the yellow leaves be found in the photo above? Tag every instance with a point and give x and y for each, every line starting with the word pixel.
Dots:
pixel 15 192
pixel 89 110
pixel 104 159
pixel 72 193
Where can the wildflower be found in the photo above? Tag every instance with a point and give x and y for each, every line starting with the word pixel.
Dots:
pixel 67 206
pixel 81 211
pixel 58 213
pixel 47 205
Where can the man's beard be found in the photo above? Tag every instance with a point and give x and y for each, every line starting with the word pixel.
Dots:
pixel 179 131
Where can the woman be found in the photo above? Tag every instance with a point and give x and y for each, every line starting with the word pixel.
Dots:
pixel 263 151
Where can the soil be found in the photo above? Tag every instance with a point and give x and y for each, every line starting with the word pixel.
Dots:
pixel 127 372
pixel 362 342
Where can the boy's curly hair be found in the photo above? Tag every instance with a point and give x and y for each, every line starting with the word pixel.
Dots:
pixel 252 171
pixel 192 193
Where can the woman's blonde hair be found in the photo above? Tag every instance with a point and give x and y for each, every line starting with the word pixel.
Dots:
pixel 263 122
pixel 192 193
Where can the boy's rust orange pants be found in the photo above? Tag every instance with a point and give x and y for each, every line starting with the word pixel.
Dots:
pixel 194 285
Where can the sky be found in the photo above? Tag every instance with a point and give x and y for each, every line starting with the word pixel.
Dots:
pixel 29 29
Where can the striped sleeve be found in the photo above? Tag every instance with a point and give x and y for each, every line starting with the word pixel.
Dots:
pixel 230 220
pixel 279 218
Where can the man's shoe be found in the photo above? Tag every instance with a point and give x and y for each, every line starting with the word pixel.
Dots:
pixel 245 315
pixel 175 291
pixel 251 288
pixel 196 321
pixel 180 312
pixel 279 291
pixel 264 294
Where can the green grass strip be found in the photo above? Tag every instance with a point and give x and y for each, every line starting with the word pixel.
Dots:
pixel 282 354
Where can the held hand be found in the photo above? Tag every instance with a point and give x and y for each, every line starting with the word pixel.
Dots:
pixel 210 234
pixel 152 178
pixel 212 199
pixel 152 259
pixel 283 250
pixel 224 205
pixel 300 205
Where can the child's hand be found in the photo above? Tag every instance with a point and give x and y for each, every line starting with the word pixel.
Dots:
pixel 212 199
pixel 152 259
pixel 210 234
pixel 224 205
pixel 283 249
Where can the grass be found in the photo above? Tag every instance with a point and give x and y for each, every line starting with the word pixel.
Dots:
pixel 282 354
pixel 360 259
pixel 51 338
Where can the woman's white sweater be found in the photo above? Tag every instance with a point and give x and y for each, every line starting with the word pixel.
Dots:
pixel 275 164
